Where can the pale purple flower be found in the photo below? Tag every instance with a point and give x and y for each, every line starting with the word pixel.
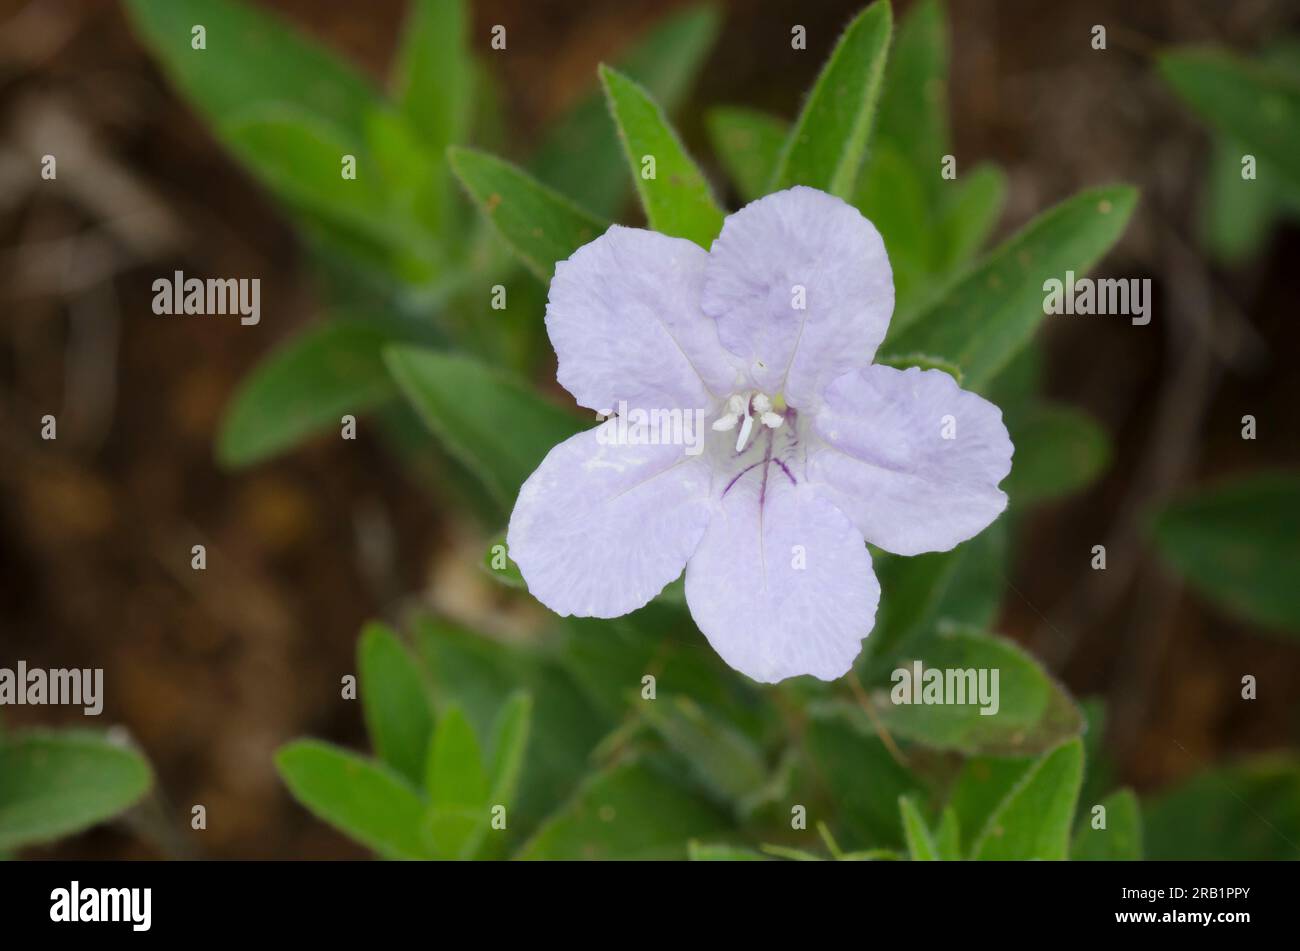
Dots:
pixel 809 449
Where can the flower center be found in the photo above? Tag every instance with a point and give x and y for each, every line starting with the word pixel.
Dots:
pixel 744 408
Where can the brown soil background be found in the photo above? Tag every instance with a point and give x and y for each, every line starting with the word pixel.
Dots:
pixel 210 672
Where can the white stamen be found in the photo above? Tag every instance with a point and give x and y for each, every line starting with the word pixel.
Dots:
pixel 745 430
pixel 723 423
pixel 753 407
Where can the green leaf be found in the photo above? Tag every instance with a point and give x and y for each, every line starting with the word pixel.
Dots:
pixel 973 594
pixel 1059 450
pixel 826 145
pixel 509 747
pixel 252 57
pixel 383 220
pixel 1237 212
pixel 1248 811
pixel 1120 841
pixel 299 157
pixel 395 702
pixel 481 675
pixel 304 388
pixel 56 783
pixel 913 116
pixel 748 143
pixel 1099 777
pixel 487 127
pixel 980 787
pixel 707 852
pixel 677 199
pixel 498 563
pixel 947 838
pixel 962 586
pixel 859 774
pixel 1256 103
pixel 364 800
pixel 1033 821
pixel 1032 712
pixel 924 361
pixel 920 844
pixel 492 423
pixel 434 85
pixel 429 465
pixel 931 225
pixel 455 775
pixel 910 591
pixel 723 759
pixel 458 786
pixel 610 658
pixel 626 812
pixel 891 195
pixel 539 224
pixel 969 215
pixel 433 82
pixel 1238 543
pixel 580 155
pixel 987 317
pixel 1016 386
pixel 416 191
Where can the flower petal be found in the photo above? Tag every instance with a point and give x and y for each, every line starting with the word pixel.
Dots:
pixel 624 317
pixel 766 615
pixel 913 458
pixel 767 251
pixel 602 526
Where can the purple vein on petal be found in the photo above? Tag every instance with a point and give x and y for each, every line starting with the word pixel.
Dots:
pixel 736 478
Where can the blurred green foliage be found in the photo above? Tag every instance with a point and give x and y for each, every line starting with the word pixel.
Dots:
pixel 397 246
pixel 1253 106
pixel 55 783
pixel 1239 544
